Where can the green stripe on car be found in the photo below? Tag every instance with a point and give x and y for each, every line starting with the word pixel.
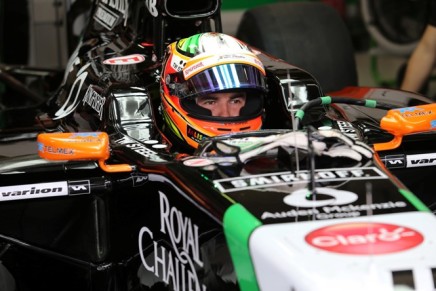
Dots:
pixel 238 225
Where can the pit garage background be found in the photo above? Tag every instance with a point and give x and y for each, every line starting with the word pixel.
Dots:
pixel 43 33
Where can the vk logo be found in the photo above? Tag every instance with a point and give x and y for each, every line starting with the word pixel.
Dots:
pixel 79 187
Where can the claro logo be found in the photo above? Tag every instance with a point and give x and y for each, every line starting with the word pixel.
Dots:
pixel 364 238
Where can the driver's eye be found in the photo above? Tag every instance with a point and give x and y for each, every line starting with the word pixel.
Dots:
pixel 207 102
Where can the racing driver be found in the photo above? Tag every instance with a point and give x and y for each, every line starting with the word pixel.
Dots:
pixel 211 84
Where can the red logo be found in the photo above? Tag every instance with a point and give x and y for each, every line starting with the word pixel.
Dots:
pixel 364 238
pixel 125 60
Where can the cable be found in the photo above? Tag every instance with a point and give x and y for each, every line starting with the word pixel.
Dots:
pixel 326 100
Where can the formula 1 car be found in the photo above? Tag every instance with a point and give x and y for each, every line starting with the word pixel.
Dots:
pixel 333 194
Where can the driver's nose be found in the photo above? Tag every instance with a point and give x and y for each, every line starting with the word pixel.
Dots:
pixel 224 111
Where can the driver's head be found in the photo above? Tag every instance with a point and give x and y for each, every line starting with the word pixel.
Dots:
pixel 212 84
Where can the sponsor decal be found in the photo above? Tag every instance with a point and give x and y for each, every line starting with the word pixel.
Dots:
pixel 93 99
pixel 119 5
pixel 85 137
pixel 176 263
pixel 188 71
pixel 177 63
pixel 195 135
pixel 231 57
pixel 414 112
pixel 138 148
pixel 79 187
pixel 300 198
pixel 105 14
pixel 151 6
pixel 29 191
pixel 348 129
pixel 289 178
pixel 394 161
pixel 257 62
pixel 421 160
pixel 221 58
pixel 335 209
pixel 55 150
pixel 125 60
pixel 139 180
pixel 408 109
pixel 73 99
pixel 364 238
pixel 105 17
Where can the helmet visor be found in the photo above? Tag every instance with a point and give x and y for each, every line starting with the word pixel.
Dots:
pixel 222 77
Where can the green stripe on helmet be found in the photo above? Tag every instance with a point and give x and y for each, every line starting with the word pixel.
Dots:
pixel 190 45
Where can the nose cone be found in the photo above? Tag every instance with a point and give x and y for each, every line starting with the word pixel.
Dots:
pixel 346 254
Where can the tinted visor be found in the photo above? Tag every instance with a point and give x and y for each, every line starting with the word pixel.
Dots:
pixel 222 77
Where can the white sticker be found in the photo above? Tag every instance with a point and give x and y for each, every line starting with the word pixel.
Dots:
pixel 198 162
pixel 421 160
pixel 30 191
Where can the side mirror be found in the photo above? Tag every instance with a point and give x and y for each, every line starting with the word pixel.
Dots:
pixel 73 146
pixel 403 121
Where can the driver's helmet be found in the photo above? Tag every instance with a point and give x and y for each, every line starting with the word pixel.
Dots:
pixel 210 63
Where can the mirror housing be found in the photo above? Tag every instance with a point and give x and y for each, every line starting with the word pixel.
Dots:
pixel 73 146
pixel 408 120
